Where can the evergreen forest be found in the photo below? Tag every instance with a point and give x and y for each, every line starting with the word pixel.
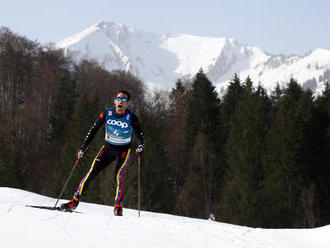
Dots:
pixel 252 157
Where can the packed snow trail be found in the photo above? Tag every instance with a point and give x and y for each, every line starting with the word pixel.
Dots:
pixel 22 227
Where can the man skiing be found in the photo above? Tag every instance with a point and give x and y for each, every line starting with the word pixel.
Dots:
pixel 119 125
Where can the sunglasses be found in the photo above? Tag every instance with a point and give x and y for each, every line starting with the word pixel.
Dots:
pixel 121 99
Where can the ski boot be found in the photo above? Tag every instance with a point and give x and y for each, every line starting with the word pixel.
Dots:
pixel 71 205
pixel 118 210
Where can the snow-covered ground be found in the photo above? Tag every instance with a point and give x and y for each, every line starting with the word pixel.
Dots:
pixel 95 226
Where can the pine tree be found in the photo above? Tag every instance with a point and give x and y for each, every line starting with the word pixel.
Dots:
pixel 242 201
pixel 285 160
pixel 203 110
pixel 202 142
pixel 227 108
pixel 230 100
pixel 156 189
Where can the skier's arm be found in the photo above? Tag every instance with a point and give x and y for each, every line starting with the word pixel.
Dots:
pixel 92 132
pixel 138 132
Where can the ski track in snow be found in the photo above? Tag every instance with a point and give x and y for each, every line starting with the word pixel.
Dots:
pixel 95 226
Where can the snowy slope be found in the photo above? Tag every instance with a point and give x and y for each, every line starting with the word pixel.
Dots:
pixel 159 60
pixel 95 226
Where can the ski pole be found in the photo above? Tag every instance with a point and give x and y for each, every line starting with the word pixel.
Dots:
pixel 67 180
pixel 139 181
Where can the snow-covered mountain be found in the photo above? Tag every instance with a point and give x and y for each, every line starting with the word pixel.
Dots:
pixel 160 60
pixel 95 226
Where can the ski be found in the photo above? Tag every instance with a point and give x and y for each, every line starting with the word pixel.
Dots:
pixel 53 208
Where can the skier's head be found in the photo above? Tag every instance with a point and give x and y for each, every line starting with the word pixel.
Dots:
pixel 212 214
pixel 121 101
pixel 126 93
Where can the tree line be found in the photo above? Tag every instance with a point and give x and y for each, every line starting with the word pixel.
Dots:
pixel 253 158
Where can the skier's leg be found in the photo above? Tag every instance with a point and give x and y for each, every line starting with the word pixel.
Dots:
pixel 122 161
pixel 101 161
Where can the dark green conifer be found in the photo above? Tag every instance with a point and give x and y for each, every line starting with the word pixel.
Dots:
pixel 202 142
pixel 285 161
pixel 242 200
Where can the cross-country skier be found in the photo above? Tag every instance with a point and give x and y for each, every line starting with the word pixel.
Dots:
pixel 119 125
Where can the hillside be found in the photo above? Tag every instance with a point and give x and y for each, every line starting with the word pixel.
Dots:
pixel 95 226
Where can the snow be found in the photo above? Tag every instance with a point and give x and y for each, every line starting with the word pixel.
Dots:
pixel 95 226
pixel 190 62
pixel 160 60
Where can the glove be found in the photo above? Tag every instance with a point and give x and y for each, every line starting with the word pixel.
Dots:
pixel 139 148
pixel 80 154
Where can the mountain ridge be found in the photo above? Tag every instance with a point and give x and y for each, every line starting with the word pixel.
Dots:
pixel 161 59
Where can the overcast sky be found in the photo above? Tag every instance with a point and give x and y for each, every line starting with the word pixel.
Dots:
pixel 276 26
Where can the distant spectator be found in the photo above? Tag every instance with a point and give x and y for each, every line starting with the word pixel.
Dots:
pixel 212 216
